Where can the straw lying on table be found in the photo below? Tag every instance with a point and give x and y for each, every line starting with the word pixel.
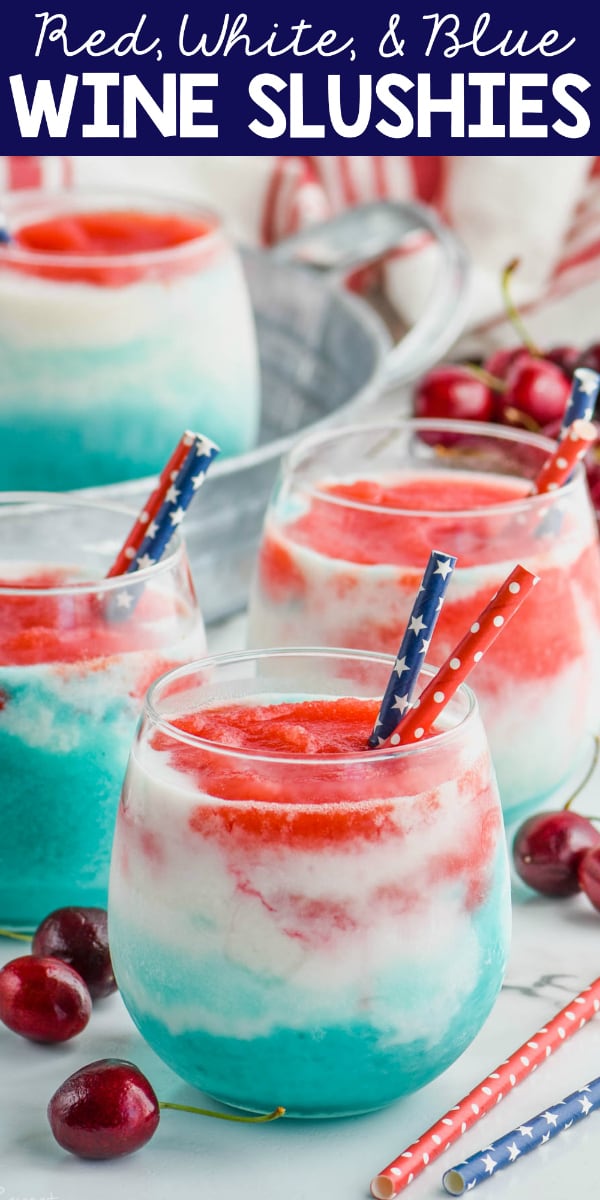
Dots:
pixel 165 508
pixel 534 1132
pixel 419 722
pixel 413 648
pixel 411 1162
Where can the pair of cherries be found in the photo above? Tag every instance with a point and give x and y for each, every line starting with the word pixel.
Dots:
pixel 523 386
pixel 107 1108
pixel 558 854
pixel 512 387
pixel 47 996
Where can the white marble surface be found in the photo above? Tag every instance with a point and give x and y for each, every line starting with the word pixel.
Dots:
pixel 555 953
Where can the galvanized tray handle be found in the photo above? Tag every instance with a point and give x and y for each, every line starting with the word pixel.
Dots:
pixel 367 232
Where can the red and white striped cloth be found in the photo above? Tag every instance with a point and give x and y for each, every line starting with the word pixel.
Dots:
pixel 27 171
pixel 543 210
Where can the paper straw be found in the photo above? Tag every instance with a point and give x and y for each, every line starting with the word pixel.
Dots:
pixel 465 656
pixel 169 503
pixel 165 508
pixel 582 401
pixel 574 445
pixel 178 497
pixel 153 505
pixel 413 647
pixel 526 1137
pixel 412 1161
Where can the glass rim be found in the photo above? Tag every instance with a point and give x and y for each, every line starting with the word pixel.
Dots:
pixel 172 555
pixel 291 463
pixel 354 757
pixel 21 255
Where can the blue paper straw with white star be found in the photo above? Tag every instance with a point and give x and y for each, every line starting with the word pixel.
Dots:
pixel 582 401
pixel 580 407
pixel 414 646
pixel 522 1140
pixel 162 514
pixel 178 497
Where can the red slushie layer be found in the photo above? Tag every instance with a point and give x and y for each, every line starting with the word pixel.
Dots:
pixel 107 235
pixel 337 920
pixel 342 566
pixel 74 667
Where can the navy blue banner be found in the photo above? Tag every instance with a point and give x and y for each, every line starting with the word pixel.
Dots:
pixel 440 77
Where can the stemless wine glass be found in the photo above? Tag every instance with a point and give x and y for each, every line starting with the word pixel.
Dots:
pixel 322 930
pixel 115 306
pixel 349 528
pixel 77 652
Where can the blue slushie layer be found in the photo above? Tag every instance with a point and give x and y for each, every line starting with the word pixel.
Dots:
pixel 66 725
pixel 101 370
pixel 331 1061
pixel 326 938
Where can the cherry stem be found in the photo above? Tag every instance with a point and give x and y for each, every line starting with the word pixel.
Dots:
pixel 587 776
pixel 516 416
pixel 492 381
pixel 207 1112
pixel 18 937
pixel 512 311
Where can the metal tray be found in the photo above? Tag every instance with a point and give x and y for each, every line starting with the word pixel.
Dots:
pixel 325 355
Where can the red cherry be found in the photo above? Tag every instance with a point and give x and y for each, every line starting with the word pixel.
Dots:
pixel 594 484
pixel 552 430
pixel 565 357
pixel 590 357
pixel 591 463
pixel 453 392
pixel 592 469
pixel 548 848
pixel 79 937
pixel 535 388
pixel 104 1110
pixel 43 999
pixel 500 361
pixel 109 1108
pixel 589 875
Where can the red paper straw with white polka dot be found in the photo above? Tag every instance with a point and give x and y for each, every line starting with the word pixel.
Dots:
pixel 575 443
pixel 153 505
pixel 418 723
pixel 395 1177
